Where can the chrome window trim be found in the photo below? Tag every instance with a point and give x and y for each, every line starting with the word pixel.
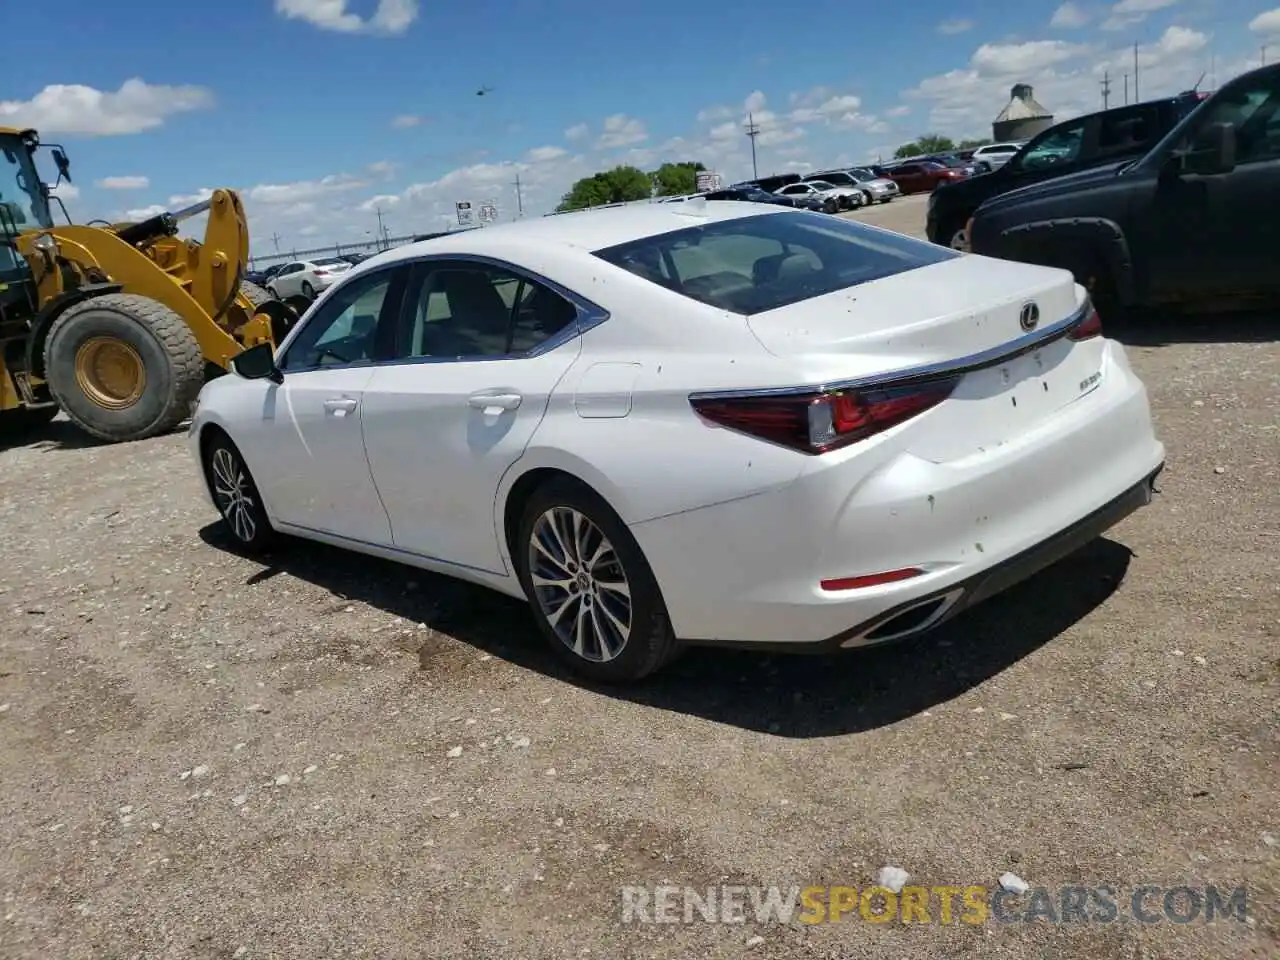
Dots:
pixel 907 376
pixel 588 313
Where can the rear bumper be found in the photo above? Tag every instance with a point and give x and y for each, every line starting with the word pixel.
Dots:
pixel 748 571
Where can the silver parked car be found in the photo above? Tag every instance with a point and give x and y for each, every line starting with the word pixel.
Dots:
pixel 834 198
pixel 872 188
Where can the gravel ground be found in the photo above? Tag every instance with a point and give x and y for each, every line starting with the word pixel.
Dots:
pixel 205 757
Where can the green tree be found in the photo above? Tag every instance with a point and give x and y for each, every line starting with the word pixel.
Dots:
pixel 926 143
pixel 676 179
pixel 972 144
pixel 619 185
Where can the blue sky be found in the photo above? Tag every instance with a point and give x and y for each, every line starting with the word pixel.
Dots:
pixel 321 111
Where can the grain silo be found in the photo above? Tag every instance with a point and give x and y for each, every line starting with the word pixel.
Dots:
pixel 1022 118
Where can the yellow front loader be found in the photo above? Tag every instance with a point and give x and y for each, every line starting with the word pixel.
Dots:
pixel 119 325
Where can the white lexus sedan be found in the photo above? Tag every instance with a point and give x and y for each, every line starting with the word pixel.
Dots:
pixel 690 423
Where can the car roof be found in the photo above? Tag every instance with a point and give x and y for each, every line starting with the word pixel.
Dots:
pixel 582 230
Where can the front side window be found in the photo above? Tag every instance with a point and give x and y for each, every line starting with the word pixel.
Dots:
pixel 20 193
pixel 469 310
pixel 344 328
pixel 763 262
pixel 1253 109
pixel 1055 148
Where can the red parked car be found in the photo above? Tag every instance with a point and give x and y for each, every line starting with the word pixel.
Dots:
pixel 922 177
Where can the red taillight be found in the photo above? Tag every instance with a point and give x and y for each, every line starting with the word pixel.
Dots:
pixel 870 580
pixel 1092 327
pixel 320 273
pixel 819 422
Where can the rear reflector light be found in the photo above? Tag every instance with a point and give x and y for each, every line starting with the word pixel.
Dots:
pixel 320 273
pixel 1092 327
pixel 870 580
pixel 819 422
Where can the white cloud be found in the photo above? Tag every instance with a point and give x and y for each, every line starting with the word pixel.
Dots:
pixel 950 28
pixel 1069 16
pixel 963 102
pixel 577 132
pixel 755 102
pixel 123 183
pixel 406 120
pixel 392 17
pixel 65 191
pixel 144 213
pixel 899 111
pixel 1267 23
pixel 85 111
pixel 1127 13
pixel 621 131
pixel 545 154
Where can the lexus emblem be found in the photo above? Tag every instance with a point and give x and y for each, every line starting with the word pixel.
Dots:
pixel 1030 316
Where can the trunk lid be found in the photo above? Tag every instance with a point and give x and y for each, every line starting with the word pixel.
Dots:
pixel 931 314
pixel 940 314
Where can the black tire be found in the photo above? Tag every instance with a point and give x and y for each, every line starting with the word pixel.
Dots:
pixel 830 206
pixel 256 294
pixel 308 290
pixel 867 199
pixel 170 357
pixel 272 291
pixel 243 517
pixel 649 642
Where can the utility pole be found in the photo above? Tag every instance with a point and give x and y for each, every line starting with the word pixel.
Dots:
pixel 1264 55
pixel 275 239
pixel 381 230
pixel 1106 88
pixel 1126 88
pixel 519 198
pixel 1136 98
pixel 753 131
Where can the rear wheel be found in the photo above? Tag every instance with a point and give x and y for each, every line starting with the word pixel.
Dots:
pixel 308 290
pixel 958 239
pixel 591 589
pixel 123 367
pixel 236 495
pixel 830 206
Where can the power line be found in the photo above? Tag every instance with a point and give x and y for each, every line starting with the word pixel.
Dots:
pixel 753 131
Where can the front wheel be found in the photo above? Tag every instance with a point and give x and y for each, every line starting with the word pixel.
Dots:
pixel 236 495
pixel 592 592
pixel 958 240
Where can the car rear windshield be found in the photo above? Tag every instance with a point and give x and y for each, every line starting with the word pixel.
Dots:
pixel 330 262
pixel 763 262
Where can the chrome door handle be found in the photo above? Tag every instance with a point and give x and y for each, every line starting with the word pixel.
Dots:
pixel 493 403
pixel 340 407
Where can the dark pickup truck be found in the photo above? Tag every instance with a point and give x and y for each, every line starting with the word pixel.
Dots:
pixel 1194 222
pixel 1121 133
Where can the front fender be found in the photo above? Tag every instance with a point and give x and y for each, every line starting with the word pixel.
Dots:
pixel 1083 245
pixel 51 311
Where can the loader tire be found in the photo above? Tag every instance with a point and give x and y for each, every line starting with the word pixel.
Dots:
pixel 123 367
pixel 256 294
pixel 23 420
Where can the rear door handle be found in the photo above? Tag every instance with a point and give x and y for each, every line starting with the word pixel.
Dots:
pixel 340 406
pixel 494 403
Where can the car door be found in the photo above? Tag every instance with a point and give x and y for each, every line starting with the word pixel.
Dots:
pixel 907 177
pixel 1207 235
pixel 286 281
pixel 480 348
pixel 308 442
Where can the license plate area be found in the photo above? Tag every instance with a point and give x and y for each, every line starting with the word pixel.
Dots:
pixel 998 403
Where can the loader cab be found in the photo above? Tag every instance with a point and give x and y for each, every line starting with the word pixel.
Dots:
pixel 23 205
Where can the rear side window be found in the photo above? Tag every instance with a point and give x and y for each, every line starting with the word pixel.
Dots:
pixel 1128 131
pixel 759 263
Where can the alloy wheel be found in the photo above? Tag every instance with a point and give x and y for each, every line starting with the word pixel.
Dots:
pixel 579 584
pixel 960 241
pixel 233 493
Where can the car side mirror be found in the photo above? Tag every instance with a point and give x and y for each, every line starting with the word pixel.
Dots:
pixel 1213 151
pixel 257 363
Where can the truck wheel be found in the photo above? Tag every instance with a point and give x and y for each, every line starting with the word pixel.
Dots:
pixel 123 367
pixel 957 239
pixel 256 294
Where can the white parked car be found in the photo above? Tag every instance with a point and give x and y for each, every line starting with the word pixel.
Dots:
pixel 833 198
pixel 704 422
pixel 307 278
pixel 996 155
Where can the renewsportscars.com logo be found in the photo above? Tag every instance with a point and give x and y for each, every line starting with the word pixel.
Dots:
pixel 971 905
